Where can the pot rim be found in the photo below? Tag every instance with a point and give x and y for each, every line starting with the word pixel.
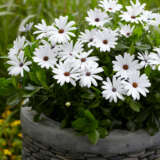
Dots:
pixel 49 132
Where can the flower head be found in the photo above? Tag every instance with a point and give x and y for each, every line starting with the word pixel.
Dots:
pixel 133 13
pixel 113 90
pixel 88 37
pixel 110 5
pixel 62 30
pixel 18 64
pixel 97 18
pixel 43 30
pixel 124 66
pixel 45 57
pixel 154 59
pixel 144 59
pixel 65 72
pixel 18 46
pixel 137 85
pixel 68 51
pixel 126 30
pixel 105 40
pixel 89 75
pixel 83 59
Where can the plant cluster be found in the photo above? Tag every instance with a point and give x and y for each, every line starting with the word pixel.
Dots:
pixel 97 80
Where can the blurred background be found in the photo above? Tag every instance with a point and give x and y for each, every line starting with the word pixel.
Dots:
pixel 13 13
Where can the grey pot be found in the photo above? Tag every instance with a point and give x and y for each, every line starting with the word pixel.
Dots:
pixel 45 140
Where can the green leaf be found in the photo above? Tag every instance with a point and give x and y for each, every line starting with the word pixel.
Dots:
pixel 30 94
pixel 135 106
pixel 103 132
pixel 41 76
pixel 94 137
pixel 148 70
pixel 14 100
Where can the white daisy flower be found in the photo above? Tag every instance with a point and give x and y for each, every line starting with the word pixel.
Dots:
pixel 144 59
pixel 110 5
pixel 124 66
pixel 126 30
pixel 18 64
pixel 113 90
pixel 154 59
pixel 65 72
pixel 89 75
pixel 45 57
pixel 151 19
pixel 97 18
pixel 70 50
pixel 105 40
pixel 26 28
pixel 133 13
pixel 137 85
pixel 88 37
pixel 43 30
pixel 83 59
pixel 18 46
pixel 62 31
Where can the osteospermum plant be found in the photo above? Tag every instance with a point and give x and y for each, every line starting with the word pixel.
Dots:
pixel 103 78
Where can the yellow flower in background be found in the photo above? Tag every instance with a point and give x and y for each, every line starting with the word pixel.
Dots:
pixel 15 123
pixel 1 121
pixel 6 113
pixel 20 135
pixel 7 152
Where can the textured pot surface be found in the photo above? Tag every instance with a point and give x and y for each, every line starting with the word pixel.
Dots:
pixel 45 140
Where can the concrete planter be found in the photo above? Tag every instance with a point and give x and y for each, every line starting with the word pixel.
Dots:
pixel 47 141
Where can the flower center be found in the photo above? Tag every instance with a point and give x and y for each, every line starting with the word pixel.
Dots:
pixel 70 54
pixel 110 8
pixel 21 64
pixel 133 17
pixel 61 31
pixel 83 60
pixel 125 67
pixel 97 19
pixel 66 74
pixel 105 41
pixel 114 89
pixel 45 58
pixel 53 46
pixel 128 34
pixel 91 39
pixel 134 84
pixel 88 74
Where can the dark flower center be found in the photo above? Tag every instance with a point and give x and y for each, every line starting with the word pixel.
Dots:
pixel 91 40
pixel 53 46
pixel 128 34
pixel 21 64
pixel 97 19
pixel 88 74
pixel 135 85
pixel 133 17
pixel 45 58
pixel 105 41
pixel 61 31
pixel 125 67
pixel 83 60
pixel 114 89
pixel 110 8
pixel 66 74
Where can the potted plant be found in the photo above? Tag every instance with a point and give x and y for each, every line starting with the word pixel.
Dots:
pixel 93 95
